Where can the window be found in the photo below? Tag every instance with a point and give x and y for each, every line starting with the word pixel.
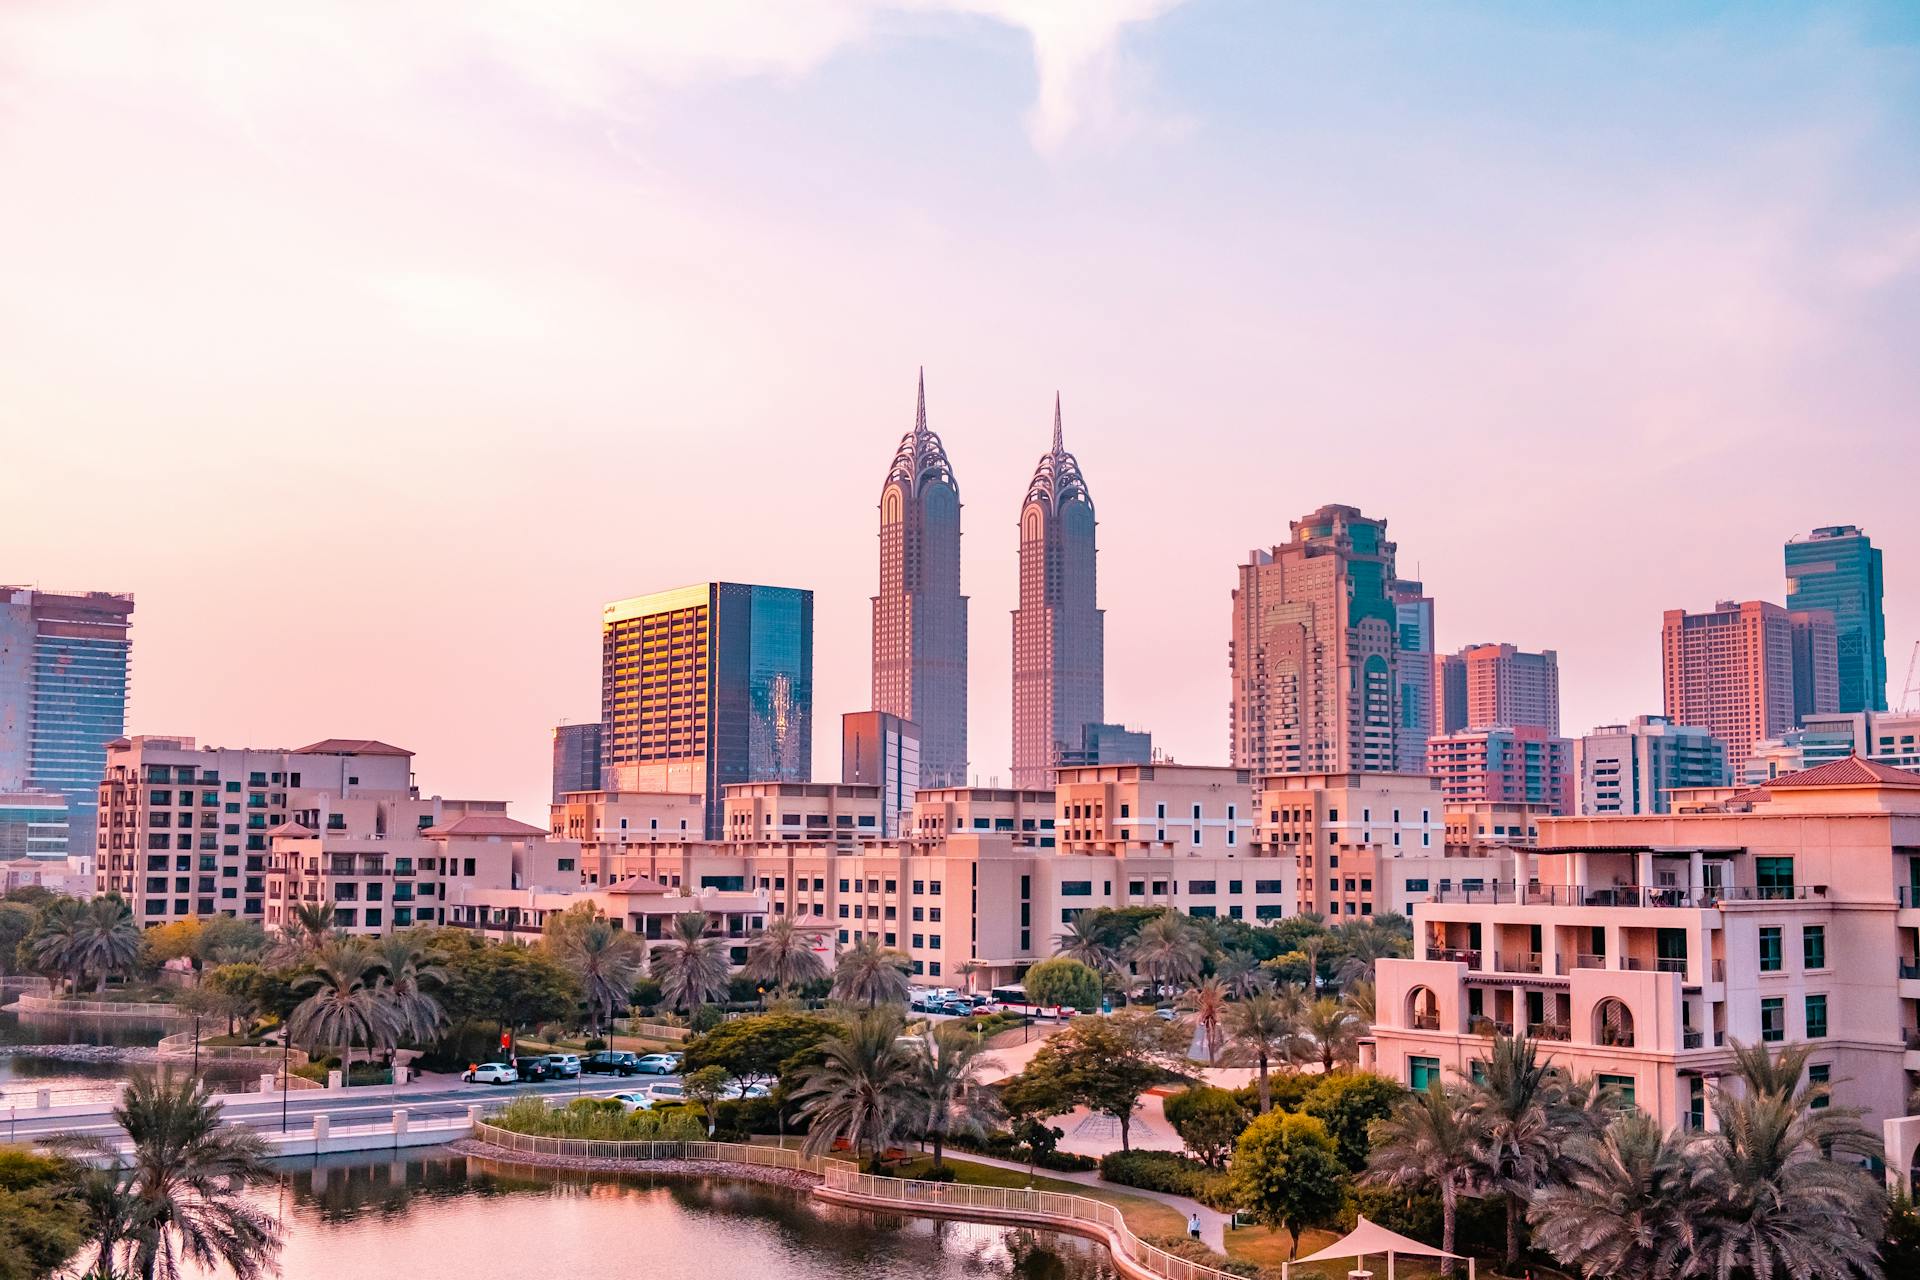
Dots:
pixel 1201 886
pixel 1076 888
pixel 1813 946
pixel 1269 886
pixel 1416 886
pixel 1422 1071
pixel 1773 877
pixel 1622 1087
pixel 1770 948
pixel 1233 886
pixel 1820 1076
pixel 1269 911
pixel 933 940
pixel 1773 1019
pixel 1816 1017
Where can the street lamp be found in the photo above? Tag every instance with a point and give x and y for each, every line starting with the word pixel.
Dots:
pixel 286 1078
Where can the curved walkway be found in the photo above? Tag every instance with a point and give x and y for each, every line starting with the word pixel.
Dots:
pixel 1213 1223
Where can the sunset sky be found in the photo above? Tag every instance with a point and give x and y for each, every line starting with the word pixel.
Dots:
pixel 375 348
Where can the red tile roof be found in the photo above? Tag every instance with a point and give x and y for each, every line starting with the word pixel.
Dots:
pixel 486 824
pixel 352 747
pixel 637 884
pixel 1851 772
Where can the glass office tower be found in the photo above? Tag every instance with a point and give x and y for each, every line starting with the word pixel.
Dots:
pixel 1837 568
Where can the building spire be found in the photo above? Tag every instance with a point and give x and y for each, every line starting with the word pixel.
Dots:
pixel 1057 447
pixel 920 413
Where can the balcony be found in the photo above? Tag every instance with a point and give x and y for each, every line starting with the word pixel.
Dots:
pixel 1693 1039
pixel 1424 1022
pixel 1462 955
pixel 1909 969
pixel 1549 1031
pixel 1517 962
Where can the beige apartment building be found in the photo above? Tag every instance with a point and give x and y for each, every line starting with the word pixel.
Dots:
pixel 1641 947
pixel 607 825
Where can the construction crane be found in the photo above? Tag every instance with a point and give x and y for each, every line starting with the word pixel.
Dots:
pixel 1910 696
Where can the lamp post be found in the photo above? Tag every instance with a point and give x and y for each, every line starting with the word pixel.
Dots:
pixel 286 1077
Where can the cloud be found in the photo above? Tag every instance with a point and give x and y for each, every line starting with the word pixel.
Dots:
pixel 590 56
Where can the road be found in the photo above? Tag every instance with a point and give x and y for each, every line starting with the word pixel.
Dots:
pixel 372 1104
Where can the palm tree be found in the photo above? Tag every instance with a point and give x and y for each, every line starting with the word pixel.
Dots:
pixel 348 1004
pixel 1242 973
pixel 1517 1105
pixel 1361 1001
pixel 1366 943
pixel 1260 1030
pixel 1167 950
pixel 1084 939
pixel 56 939
pixel 1209 1004
pixel 410 970
pixel 955 1099
pixel 783 954
pixel 691 967
pixel 1311 949
pixel 95 939
pixel 606 960
pixel 1333 1029
pixel 870 974
pixel 178 1201
pixel 865 1091
pixel 1426 1141
pixel 1625 1201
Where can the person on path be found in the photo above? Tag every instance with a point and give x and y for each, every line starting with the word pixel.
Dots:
pixel 1193 1226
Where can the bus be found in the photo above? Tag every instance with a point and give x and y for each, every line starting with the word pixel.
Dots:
pixel 1012 998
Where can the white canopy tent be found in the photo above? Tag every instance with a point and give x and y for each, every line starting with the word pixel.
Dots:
pixel 1370 1238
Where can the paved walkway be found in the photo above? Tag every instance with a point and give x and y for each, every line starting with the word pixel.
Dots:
pixel 1213 1223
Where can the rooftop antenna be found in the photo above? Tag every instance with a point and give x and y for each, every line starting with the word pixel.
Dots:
pixel 1909 704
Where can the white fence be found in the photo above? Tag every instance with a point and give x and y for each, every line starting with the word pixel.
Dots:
pixel 30 1003
pixel 592 1149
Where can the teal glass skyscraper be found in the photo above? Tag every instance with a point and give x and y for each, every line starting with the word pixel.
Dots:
pixel 1837 568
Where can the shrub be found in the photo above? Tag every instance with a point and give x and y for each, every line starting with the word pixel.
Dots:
pixel 594 1044
pixel 1063 981
pixel 1003 1146
pixel 1197 1251
pixel 1165 1171
pixel 1288 1088
pixel 1347 1102
pixel 600 1120
pixel 1209 1121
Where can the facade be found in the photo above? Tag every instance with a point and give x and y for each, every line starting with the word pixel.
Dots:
pixel 816 812
pixel 609 825
pixel 63 694
pixel 1885 737
pixel 919 616
pixel 576 758
pixel 1314 651
pixel 1524 765
pixel 1730 671
pixel 35 824
pixel 881 750
pixel 1059 631
pixel 1837 568
pixel 646 909
pixel 1642 947
pixel 1816 671
pixel 1631 768
pixel 1356 845
pixel 1109 744
pixel 1449 692
pixel 1478 825
pixel 1505 685
pixel 707 685
pixel 1416 667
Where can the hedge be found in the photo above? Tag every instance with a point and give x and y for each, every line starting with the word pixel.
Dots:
pixel 1196 1251
pixel 1001 1146
pixel 1168 1172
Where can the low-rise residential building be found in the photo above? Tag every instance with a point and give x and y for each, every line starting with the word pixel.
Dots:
pixel 1641 947
pixel 1630 768
pixel 1480 824
pixel 639 906
pixel 607 825
pixel 1521 765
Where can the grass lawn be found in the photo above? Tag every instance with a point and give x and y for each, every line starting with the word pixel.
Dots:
pixel 1146 1217
pixel 1269 1249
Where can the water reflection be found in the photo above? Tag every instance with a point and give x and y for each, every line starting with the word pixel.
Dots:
pixel 442 1217
pixel 24 1072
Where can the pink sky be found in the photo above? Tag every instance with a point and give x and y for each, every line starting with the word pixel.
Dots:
pixel 375 351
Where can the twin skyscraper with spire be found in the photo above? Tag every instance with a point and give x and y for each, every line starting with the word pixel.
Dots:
pixel 920 615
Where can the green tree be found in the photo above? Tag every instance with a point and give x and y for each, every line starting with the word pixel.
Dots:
pixel 870 975
pixel 1348 1103
pixel 1063 981
pixel 180 1199
pixel 757 1046
pixel 346 1003
pixel 1261 1031
pixel 1029 1102
pixel 1208 1120
pixel 1168 951
pixel 690 965
pixel 506 986
pixel 1207 1006
pixel 1088 940
pixel 1286 1173
pixel 1355 947
pixel 782 955
pixel 412 976
pixel 864 1092
pixel 1427 1141
pixel 605 961
pixel 1518 1106
pixel 705 1088
pixel 16 925
pixel 85 942
pixel 1625 1202
pixel 1333 1030
pixel 953 1097
pixel 42 1219
pixel 1108 1063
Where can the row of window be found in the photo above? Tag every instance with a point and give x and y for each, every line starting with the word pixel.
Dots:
pixel 1813 947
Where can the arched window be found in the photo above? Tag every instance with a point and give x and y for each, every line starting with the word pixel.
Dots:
pixel 1613 1024
pixel 1423 1010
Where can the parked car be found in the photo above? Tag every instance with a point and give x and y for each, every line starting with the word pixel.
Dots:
pixel 737 1090
pixel 611 1062
pixel 632 1101
pixel 564 1065
pixel 657 1064
pixel 667 1091
pixel 535 1068
pixel 490 1073
pixel 1166 1014
pixel 956 1008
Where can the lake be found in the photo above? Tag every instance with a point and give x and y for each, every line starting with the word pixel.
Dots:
pixel 23 1072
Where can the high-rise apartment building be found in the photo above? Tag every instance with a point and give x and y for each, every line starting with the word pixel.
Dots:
pixel 1837 568
pixel 1502 764
pixel 1630 768
pixel 1730 671
pixel 1416 667
pixel 1507 686
pixel 34 824
pixel 881 750
pixel 576 758
pixel 1449 692
pixel 63 694
pixel 1816 670
pixel 1059 638
pixel 1314 652
pixel 706 685
pixel 920 617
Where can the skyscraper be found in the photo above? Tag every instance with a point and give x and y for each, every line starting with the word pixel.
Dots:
pixel 1816 663
pixel 1837 568
pixel 879 749
pixel 1730 671
pixel 920 617
pixel 1630 768
pixel 1316 641
pixel 1508 686
pixel 576 757
pixel 1059 640
pixel 1417 668
pixel 706 685
pixel 63 695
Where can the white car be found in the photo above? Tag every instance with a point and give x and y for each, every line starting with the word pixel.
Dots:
pixel 738 1089
pixel 658 1064
pixel 491 1073
pixel 665 1092
pixel 632 1101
